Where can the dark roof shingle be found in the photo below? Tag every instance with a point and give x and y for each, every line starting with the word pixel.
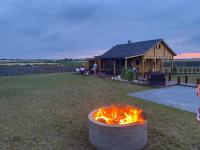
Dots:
pixel 130 49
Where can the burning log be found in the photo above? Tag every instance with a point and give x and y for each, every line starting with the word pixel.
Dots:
pixel 118 127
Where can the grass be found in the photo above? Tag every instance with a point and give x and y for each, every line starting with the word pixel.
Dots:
pixel 50 111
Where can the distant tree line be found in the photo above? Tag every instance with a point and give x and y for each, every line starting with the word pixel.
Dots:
pixel 39 60
pixel 183 63
pixel 71 59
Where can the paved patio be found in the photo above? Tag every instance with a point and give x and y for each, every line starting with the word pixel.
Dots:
pixel 180 97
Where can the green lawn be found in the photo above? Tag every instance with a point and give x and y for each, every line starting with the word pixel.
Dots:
pixel 50 111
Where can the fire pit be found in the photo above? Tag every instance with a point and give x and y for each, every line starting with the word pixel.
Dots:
pixel 118 127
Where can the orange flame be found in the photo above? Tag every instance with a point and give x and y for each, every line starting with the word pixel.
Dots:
pixel 119 114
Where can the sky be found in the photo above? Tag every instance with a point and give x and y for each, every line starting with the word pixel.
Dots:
pixel 55 29
pixel 187 55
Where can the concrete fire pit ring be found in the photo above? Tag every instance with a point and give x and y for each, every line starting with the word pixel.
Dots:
pixel 117 137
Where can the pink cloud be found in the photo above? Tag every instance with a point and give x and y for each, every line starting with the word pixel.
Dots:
pixel 187 55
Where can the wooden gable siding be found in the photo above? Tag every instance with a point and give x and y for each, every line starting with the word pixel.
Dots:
pixel 162 52
pixel 153 58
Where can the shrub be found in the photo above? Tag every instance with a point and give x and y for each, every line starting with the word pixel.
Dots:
pixel 123 72
pixel 128 74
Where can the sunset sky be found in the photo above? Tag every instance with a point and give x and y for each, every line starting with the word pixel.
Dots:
pixel 187 55
pixel 82 28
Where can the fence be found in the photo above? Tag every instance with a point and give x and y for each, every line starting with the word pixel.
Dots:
pixel 183 79
pixel 181 70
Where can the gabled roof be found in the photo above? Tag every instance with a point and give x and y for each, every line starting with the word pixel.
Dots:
pixel 132 49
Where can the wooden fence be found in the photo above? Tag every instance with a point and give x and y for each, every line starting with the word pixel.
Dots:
pixel 183 79
pixel 181 70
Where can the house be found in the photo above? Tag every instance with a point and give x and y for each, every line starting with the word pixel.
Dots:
pixel 147 56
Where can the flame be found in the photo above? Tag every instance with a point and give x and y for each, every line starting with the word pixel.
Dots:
pixel 119 114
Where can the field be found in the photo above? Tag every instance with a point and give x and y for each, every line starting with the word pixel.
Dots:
pixel 50 111
pixel 41 63
pixel 25 67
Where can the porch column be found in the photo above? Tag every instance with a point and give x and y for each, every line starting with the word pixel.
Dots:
pixel 155 67
pixel 114 66
pixel 89 64
pixel 143 69
pixel 125 62
pixel 162 63
pixel 172 64
pixel 99 65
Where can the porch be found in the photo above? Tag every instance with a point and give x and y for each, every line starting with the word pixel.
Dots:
pixel 144 65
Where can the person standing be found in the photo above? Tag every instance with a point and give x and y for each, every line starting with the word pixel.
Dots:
pixel 82 70
pixel 198 94
pixel 134 69
pixel 95 68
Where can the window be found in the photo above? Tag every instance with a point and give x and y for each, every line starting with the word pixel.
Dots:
pixel 137 62
pixel 159 46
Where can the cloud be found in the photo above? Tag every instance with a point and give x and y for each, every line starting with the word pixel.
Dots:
pixel 49 28
pixel 188 56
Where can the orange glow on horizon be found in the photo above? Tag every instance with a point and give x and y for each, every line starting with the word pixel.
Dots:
pixel 187 55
